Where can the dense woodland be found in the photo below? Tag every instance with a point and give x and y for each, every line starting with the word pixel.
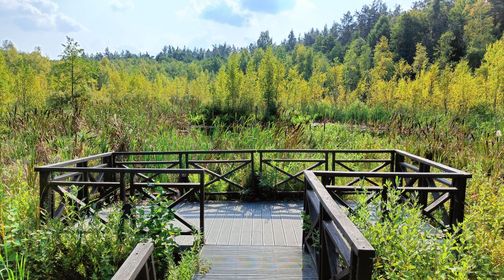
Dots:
pixel 441 56
pixel 429 80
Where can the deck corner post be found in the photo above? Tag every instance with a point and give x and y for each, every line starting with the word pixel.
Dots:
pixel 324 266
pixel 458 201
pixel 83 193
pixel 46 196
pixel 202 205
pixel 362 264
pixel 423 182
pixel 398 159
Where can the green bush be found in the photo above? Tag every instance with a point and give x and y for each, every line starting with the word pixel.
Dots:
pixel 407 247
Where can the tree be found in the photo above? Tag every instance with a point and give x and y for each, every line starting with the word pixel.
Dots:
pixel 269 78
pixel 356 63
pixel 383 61
pixel 478 31
pixel 437 18
pixel 493 68
pixel 72 81
pixel 421 60
pixel 264 40
pixel 291 41
pixel 303 58
pixel 233 82
pixel 380 29
pixel 347 28
pixel 445 50
pixel 498 15
pixel 408 30
pixel 368 16
pixel 5 87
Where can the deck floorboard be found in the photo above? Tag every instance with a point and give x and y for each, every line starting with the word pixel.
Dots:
pixel 251 240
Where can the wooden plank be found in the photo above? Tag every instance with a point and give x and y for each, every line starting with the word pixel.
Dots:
pixel 213 235
pixel 267 225
pixel 247 228
pixel 236 228
pixel 278 231
pixel 257 262
pixel 135 262
pixel 287 224
pixel 257 224
pixel 227 221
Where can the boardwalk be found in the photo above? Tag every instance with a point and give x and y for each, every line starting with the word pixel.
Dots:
pixel 255 240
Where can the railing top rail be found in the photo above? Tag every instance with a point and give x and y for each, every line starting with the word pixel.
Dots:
pixel 351 233
pixel 430 162
pixel 238 151
pixel 243 151
pixel 121 170
pixel 391 174
pixel 77 160
pixel 135 262
pixel 342 151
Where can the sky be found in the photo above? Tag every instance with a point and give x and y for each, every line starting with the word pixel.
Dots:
pixel 148 25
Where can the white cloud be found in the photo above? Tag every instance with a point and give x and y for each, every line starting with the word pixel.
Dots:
pixel 37 15
pixel 121 5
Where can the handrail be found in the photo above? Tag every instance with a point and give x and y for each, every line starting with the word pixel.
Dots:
pixel 75 161
pixel 338 216
pixel 121 170
pixel 339 238
pixel 139 264
pixel 391 174
pixel 430 162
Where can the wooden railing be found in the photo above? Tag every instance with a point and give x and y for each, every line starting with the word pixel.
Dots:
pixel 329 176
pixel 139 265
pixel 336 245
pixel 89 184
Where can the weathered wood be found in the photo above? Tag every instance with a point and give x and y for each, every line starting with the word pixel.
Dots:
pixel 138 265
pixel 72 162
pixel 390 174
pixel 336 229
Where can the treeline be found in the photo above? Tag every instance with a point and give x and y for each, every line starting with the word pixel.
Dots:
pixel 440 57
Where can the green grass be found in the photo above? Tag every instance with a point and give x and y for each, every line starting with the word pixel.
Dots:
pixel 470 147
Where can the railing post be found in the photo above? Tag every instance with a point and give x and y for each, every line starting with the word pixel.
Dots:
pixel 423 182
pixel 202 205
pixel 83 193
pixel 324 267
pixel 132 184
pixel 458 201
pixel 260 163
pixel 398 159
pixel 46 196
pixel 122 193
pixel 384 197
pixel 306 213
pixel 362 264
pixel 252 170
pixel 326 158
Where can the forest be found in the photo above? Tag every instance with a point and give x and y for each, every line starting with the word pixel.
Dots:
pixel 429 80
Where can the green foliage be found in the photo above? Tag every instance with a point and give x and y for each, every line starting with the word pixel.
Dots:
pixel 408 248
pixel 156 224
pixel 190 263
pixel 382 88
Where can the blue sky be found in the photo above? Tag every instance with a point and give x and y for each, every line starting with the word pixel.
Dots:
pixel 148 25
